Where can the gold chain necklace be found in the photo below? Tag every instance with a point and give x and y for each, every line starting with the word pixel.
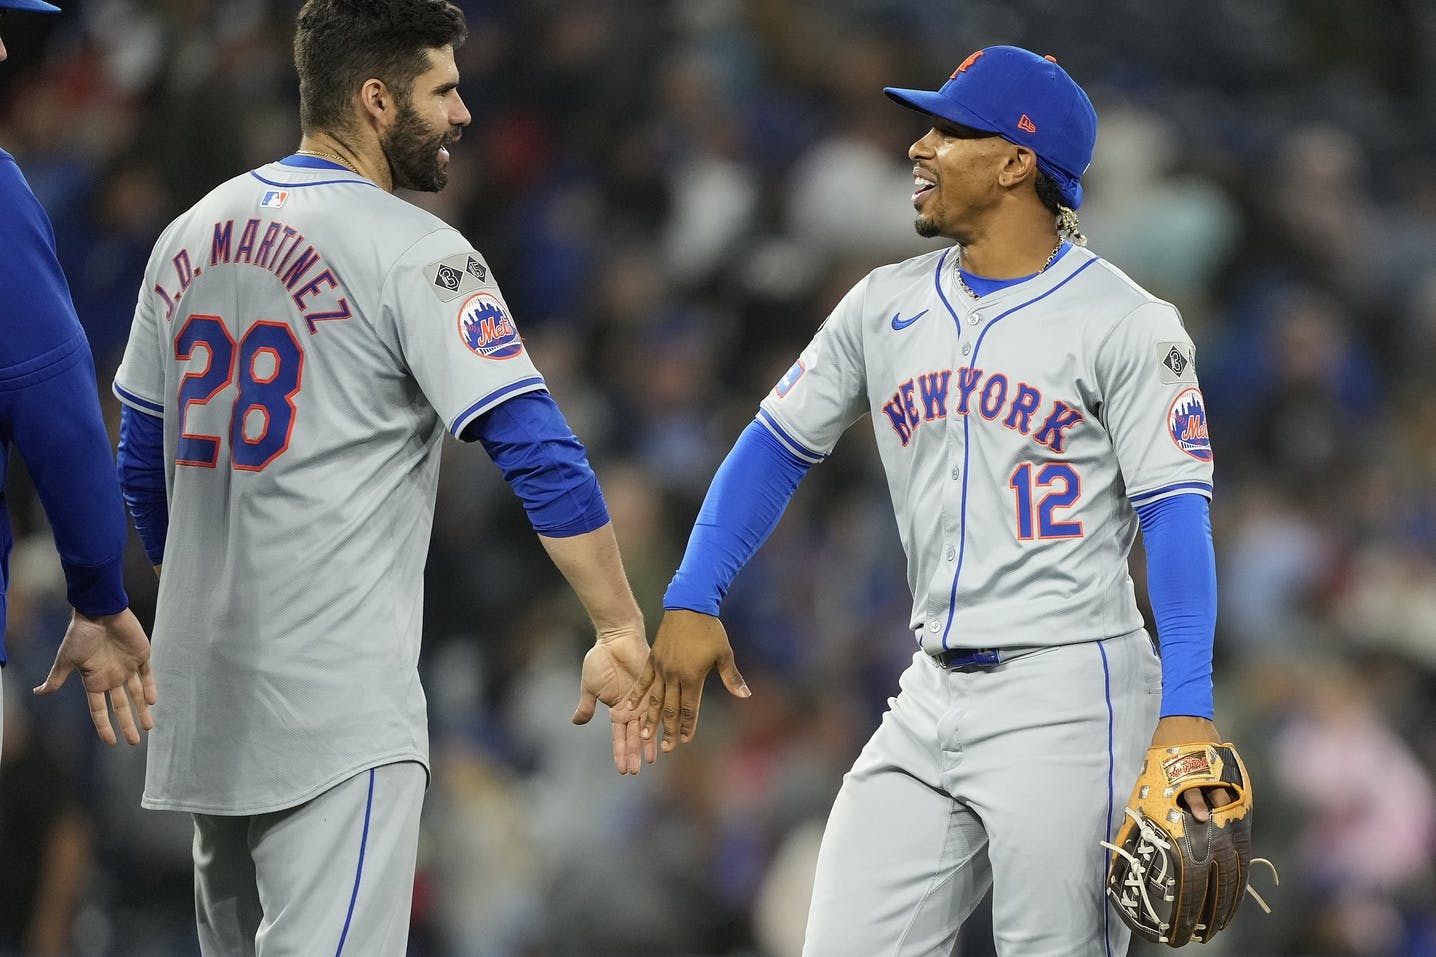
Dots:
pixel 965 288
pixel 325 154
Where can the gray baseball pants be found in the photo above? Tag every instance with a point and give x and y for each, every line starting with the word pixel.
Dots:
pixel 1006 777
pixel 331 876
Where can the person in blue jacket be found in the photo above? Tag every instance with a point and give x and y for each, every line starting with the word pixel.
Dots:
pixel 50 414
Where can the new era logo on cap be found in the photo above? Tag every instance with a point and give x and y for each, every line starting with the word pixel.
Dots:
pixel 1026 125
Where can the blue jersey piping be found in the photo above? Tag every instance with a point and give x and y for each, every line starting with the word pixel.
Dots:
pixel 463 418
pixel 794 446
pixel 323 182
pixel 967 428
pixel 144 404
pixel 1202 487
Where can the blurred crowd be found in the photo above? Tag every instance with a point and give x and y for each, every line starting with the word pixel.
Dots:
pixel 672 195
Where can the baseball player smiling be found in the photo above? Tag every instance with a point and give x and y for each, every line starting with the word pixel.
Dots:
pixel 1033 407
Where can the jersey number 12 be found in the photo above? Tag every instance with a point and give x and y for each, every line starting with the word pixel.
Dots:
pixel 1036 515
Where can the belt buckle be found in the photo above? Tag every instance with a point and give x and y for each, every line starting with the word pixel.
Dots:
pixel 956 658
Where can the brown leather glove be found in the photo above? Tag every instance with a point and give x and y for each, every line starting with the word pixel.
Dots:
pixel 1174 879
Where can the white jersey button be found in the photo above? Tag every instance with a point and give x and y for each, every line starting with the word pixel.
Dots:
pixel 934 626
pixel 966 348
pixel 972 319
pixel 956 471
pixel 951 553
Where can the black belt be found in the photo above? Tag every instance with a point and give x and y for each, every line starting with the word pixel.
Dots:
pixel 954 659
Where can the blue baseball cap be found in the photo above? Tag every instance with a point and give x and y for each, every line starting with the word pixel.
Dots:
pixel 1024 98
pixel 39 6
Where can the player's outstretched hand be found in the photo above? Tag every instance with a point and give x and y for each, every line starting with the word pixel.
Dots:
pixel 609 669
pixel 689 645
pixel 112 654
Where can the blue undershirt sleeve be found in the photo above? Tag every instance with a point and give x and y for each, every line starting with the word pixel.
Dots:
pixel 142 478
pixel 1182 587
pixel 744 502
pixel 544 462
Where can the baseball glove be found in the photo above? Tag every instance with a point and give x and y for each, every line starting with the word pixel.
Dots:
pixel 1173 879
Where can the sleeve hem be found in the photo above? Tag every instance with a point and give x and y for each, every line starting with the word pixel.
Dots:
pixel 137 402
pixel 462 420
pixel 770 422
pixel 1203 489
pixel 97 589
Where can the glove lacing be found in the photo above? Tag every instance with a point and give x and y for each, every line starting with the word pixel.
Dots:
pixel 1150 837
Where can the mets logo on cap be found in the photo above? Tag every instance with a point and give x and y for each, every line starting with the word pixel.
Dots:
pixel 1187 425
pixel 486 328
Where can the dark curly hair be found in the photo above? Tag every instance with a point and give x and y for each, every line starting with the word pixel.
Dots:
pixel 338 44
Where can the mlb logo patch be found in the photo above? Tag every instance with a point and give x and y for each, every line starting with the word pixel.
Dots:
pixel 1187 425
pixel 789 380
pixel 274 198
pixel 486 328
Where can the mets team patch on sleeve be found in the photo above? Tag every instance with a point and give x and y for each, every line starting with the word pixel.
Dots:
pixel 1177 359
pixel 453 277
pixel 486 328
pixel 1187 425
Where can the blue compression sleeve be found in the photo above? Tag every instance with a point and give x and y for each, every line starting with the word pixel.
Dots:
pixel 747 497
pixel 142 478
pixel 544 462
pixel 1182 586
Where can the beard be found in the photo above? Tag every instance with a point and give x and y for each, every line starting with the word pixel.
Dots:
pixel 926 227
pixel 412 149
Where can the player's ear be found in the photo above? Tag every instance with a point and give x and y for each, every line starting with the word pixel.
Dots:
pixel 377 101
pixel 1018 166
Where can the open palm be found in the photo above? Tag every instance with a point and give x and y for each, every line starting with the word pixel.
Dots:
pixel 609 670
pixel 112 654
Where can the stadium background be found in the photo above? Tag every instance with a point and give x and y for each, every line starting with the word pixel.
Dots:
pixel 672 195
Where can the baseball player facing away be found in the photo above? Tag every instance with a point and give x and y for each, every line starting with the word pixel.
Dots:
pixel 50 412
pixel 1032 406
pixel 302 342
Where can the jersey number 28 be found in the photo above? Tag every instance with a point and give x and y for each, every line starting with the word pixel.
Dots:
pixel 269 364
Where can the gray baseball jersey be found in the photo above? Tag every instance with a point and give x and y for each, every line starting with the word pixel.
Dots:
pixel 1017 432
pixel 308 338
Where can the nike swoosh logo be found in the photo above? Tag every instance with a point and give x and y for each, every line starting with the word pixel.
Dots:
pixel 900 323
